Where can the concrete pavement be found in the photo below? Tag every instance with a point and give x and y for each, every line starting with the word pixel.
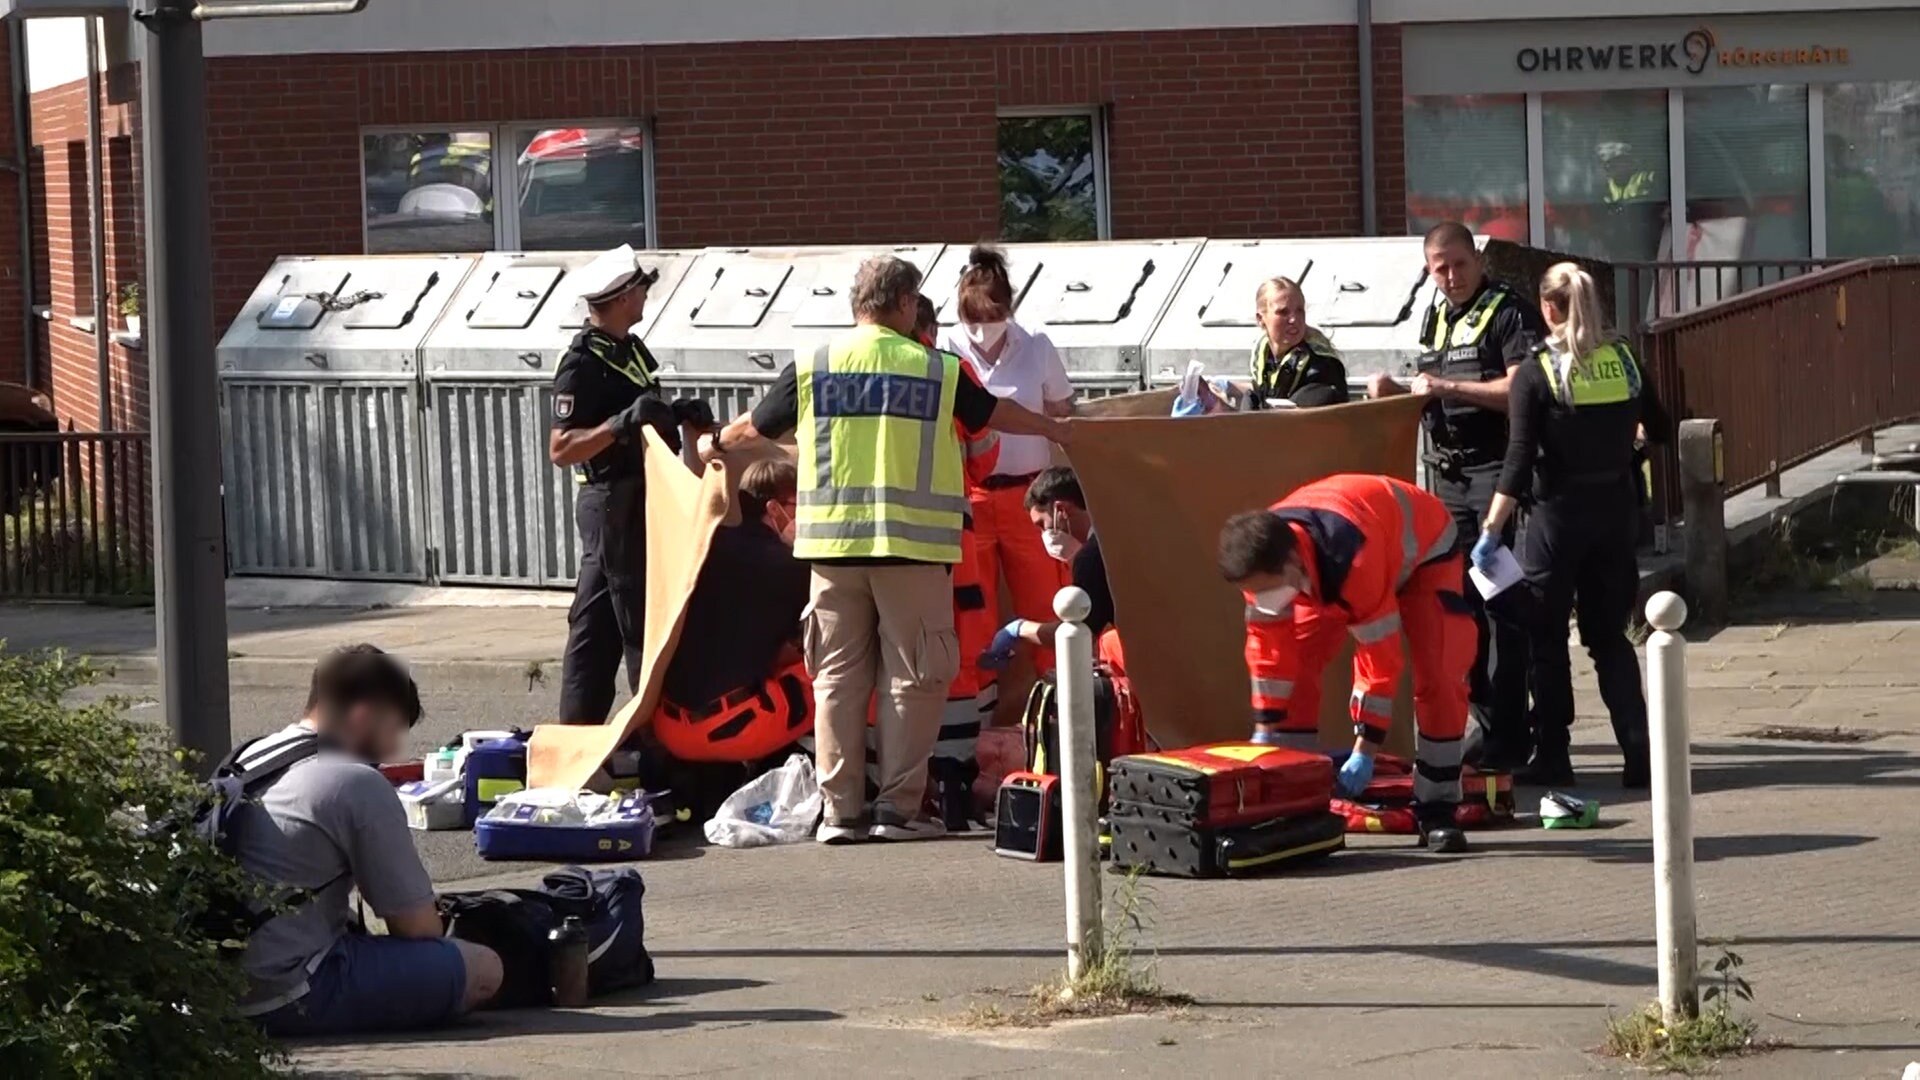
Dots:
pixel 812 962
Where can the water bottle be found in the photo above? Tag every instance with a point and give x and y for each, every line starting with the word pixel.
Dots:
pixel 567 963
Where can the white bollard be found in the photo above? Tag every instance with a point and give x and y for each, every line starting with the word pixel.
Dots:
pixel 1675 931
pixel 1079 801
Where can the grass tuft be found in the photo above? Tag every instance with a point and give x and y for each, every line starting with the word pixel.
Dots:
pixel 1688 1047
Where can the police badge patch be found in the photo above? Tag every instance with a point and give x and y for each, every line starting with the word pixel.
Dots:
pixel 562 406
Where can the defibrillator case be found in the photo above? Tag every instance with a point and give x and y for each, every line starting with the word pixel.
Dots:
pixel 1155 847
pixel 1220 785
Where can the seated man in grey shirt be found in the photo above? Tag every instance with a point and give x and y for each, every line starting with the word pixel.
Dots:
pixel 330 824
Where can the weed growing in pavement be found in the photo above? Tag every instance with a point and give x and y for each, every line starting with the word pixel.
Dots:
pixel 1117 982
pixel 1690 1046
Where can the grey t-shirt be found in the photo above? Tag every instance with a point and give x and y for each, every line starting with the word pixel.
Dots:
pixel 329 819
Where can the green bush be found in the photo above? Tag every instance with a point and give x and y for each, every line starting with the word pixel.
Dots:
pixel 102 972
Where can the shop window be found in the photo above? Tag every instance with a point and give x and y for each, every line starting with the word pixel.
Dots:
pixel 1467 161
pixel 1053 177
pixel 1605 167
pixel 1746 173
pixel 562 188
pixel 1873 168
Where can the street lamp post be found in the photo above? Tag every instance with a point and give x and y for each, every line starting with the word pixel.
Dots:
pixel 190 570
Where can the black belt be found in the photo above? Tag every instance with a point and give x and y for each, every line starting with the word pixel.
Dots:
pixel 999 482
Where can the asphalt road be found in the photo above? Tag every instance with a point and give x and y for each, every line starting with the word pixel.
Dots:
pixel 449 855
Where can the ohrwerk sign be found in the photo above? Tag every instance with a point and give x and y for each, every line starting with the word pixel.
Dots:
pixel 1691 53
pixel 1553 55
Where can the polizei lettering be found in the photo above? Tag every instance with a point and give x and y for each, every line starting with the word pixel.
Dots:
pixel 844 395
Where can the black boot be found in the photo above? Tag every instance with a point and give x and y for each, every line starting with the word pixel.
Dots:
pixel 1438 833
pixel 1549 768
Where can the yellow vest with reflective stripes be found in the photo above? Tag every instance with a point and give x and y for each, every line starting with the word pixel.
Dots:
pixel 1606 376
pixel 880 463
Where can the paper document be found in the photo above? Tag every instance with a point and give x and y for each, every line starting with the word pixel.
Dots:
pixel 1506 574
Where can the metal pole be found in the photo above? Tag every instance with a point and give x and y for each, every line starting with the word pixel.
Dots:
pixel 190 564
pixel 1369 212
pixel 1080 802
pixel 96 234
pixel 22 144
pixel 1674 927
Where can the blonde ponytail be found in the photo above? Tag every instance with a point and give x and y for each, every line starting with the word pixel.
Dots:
pixel 1573 292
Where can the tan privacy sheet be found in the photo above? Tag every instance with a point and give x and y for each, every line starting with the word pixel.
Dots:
pixel 683 511
pixel 1160 488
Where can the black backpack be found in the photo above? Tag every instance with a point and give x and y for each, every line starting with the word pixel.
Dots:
pixel 515 922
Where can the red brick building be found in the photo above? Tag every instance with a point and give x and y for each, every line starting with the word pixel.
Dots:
pixel 725 124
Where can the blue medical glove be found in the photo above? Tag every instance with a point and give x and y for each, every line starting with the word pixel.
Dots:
pixel 1355 775
pixel 1005 644
pixel 1483 552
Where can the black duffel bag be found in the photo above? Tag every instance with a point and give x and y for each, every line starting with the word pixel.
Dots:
pixel 515 923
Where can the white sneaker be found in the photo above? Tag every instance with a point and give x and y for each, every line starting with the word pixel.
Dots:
pixel 836 833
pixel 918 829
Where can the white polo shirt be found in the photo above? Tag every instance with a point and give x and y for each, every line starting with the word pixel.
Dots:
pixel 1028 372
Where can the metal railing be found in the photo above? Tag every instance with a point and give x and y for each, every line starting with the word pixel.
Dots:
pixel 1795 368
pixel 1644 292
pixel 77 514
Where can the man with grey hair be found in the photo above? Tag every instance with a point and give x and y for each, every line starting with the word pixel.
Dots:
pixel 881 504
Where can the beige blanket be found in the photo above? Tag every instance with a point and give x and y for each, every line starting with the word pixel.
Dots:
pixel 683 511
pixel 1159 489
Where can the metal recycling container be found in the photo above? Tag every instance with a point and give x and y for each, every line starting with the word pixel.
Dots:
pixel 1098 301
pixel 320 410
pixel 501 513
pixel 743 314
pixel 1367 295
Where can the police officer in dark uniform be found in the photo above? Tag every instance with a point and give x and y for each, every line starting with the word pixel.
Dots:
pixel 1577 413
pixel 1476 334
pixel 606 388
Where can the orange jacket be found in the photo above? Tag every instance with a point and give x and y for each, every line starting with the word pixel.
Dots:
pixel 1361 537
pixel 972 614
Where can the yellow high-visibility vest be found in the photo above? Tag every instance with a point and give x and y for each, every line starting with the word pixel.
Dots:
pixel 1606 376
pixel 880 464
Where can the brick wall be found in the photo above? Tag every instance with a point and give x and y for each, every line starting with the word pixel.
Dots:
pixel 69 361
pixel 13 366
pixel 1216 133
pixel 1211 133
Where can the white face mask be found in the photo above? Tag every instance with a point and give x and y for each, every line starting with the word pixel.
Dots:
pixel 985 335
pixel 1275 601
pixel 1060 544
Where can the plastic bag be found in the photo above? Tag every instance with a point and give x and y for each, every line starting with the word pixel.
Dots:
pixel 778 807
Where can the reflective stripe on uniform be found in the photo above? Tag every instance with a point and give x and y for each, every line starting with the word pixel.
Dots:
pixel 1255 615
pixel 877 529
pixel 984 443
pixel 914 500
pixel 1273 688
pixel 1380 629
pixel 1412 556
pixel 1365 704
pixel 1476 319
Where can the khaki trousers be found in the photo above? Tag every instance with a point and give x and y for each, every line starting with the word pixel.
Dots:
pixel 865 622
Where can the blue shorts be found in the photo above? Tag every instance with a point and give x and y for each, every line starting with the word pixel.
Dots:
pixel 374 983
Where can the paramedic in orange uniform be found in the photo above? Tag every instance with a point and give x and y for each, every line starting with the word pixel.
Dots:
pixel 736 690
pixel 1012 362
pixel 955 764
pixel 1373 557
